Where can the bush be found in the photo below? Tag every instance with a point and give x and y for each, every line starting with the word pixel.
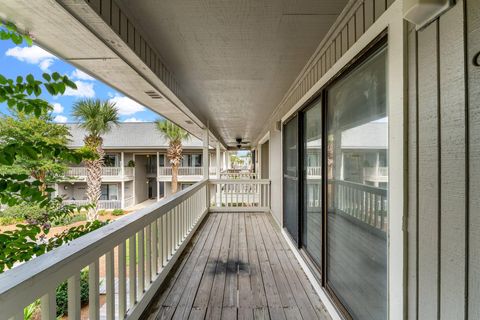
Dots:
pixel 102 213
pixel 5 221
pixel 118 212
pixel 69 219
pixel 62 294
pixel 23 211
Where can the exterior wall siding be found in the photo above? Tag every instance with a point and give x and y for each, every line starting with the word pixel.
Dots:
pixel 443 146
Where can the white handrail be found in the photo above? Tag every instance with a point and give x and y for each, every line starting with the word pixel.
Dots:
pixel 238 175
pixel 239 194
pixel 163 229
pixel 182 171
pixel 106 171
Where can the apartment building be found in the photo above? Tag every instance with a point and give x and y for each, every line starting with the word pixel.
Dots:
pixel 136 168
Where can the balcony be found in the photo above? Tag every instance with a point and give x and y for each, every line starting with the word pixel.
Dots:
pixel 108 173
pixel 185 173
pixel 236 241
pixel 104 204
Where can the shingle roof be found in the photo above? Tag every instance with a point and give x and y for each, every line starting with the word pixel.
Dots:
pixel 129 135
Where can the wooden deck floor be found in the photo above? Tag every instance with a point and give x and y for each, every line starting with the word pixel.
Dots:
pixel 238 266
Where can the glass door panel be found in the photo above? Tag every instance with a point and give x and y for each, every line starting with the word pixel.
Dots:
pixel 312 170
pixel 357 218
pixel 290 177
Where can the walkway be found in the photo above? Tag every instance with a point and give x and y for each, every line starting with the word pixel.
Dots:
pixel 238 266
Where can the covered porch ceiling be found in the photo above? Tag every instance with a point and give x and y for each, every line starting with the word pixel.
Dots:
pixel 233 60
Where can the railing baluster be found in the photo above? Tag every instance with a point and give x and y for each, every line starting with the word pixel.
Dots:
pixel 132 268
pixel 141 261
pixel 93 293
pixel 148 253
pixel 164 240
pixel 154 248
pixel 110 284
pixel 74 297
pixel 122 281
pixel 48 305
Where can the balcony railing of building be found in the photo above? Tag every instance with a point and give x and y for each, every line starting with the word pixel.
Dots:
pixel 238 175
pixel 106 171
pixel 161 231
pixel 379 174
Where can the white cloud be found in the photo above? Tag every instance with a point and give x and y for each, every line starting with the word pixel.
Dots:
pixel 84 90
pixel 32 55
pixel 133 119
pixel 80 75
pixel 126 106
pixel 60 119
pixel 57 107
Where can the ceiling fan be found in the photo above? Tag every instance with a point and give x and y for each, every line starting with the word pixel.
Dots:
pixel 240 142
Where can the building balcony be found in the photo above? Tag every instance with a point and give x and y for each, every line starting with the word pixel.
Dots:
pixel 185 173
pixel 104 204
pixel 108 173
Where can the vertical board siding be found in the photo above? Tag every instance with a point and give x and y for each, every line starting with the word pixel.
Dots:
pixel 452 141
pixel 473 47
pixel 118 21
pixel 438 166
pixel 412 176
pixel 428 143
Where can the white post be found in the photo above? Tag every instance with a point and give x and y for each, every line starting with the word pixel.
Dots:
pixel 377 167
pixel 205 153
pixel 133 183
pixel 258 165
pixel 156 179
pixel 218 160
pixel 122 170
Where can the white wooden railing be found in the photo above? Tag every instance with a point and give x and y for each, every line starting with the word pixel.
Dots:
pixel 238 175
pixel 373 173
pixel 102 204
pixel 182 171
pixel 161 231
pixel 314 171
pixel 239 195
pixel 106 171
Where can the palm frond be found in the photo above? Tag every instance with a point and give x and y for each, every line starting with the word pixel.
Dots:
pixel 171 131
pixel 96 116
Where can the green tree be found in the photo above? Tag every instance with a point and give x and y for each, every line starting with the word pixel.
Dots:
pixel 30 129
pixel 97 118
pixel 21 95
pixel 175 135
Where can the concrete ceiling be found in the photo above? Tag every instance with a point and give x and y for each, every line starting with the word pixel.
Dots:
pixel 234 59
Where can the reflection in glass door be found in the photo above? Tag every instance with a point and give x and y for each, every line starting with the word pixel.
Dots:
pixel 290 177
pixel 357 220
pixel 312 181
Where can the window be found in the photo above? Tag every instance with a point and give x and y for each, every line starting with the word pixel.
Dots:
pixel 356 251
pixel 335 184
pixel 109 192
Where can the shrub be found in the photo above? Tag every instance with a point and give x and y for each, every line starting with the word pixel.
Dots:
pixel 102 213
pixel 69 219
pixel 62 294
pixel 23 211
pixel 5 221
pixel 118 212
pixel 131 164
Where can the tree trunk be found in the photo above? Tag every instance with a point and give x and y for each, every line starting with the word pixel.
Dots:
pixel 174 178
pixel 94 176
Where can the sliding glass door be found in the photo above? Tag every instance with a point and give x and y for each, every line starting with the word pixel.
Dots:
pixel 357 220
pixel 312 182
pixel 290 178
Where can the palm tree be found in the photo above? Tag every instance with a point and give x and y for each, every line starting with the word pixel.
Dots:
pixel 175 135
pixel 97 118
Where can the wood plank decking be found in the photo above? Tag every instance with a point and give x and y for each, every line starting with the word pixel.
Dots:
pixel 238 266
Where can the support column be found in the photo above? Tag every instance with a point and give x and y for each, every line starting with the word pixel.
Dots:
pixel 205 158
pixel 122 172
pixel 218 161
pixel 156 178
pixel 134 180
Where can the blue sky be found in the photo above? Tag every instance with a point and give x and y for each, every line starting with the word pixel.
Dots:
pixel 22 60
